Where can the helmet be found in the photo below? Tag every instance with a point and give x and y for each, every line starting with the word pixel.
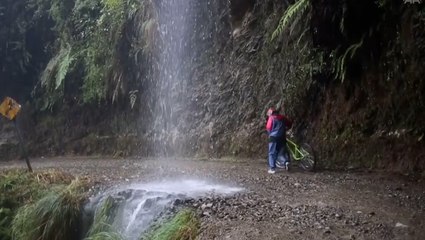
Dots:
pixel 270 111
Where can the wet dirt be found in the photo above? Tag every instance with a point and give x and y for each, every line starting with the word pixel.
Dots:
pixel 285 205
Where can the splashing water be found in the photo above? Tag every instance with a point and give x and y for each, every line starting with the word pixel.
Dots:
pixel 140 204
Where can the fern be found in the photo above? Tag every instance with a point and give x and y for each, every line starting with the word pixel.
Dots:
pixel 341 64
pixel 63 66
pixel 89 32
pixel 302 36
pixel 53 76
pixel 297 9
pixel 49 72
pixel 103 72
pixel 133 97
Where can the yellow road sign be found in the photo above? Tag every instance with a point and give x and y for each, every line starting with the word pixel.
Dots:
pixel 9 108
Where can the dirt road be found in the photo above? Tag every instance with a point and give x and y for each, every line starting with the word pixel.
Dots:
pixel 286 205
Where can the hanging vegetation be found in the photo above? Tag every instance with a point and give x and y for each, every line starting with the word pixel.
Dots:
pixel 354 34
pixel 294 11
pixel 90 36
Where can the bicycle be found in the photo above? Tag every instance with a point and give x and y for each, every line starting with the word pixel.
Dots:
pixel 303 154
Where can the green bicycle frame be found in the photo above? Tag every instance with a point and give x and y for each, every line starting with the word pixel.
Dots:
pixel 296 152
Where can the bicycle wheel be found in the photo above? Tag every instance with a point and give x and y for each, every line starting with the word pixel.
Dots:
pixel 308 162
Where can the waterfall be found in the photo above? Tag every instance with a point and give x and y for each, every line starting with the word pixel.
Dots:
pixel 139 204
pixel 171 85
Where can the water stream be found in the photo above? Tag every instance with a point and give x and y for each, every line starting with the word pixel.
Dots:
pixel 140 204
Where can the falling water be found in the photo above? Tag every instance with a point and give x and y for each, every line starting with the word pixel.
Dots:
pixel 141 203
pixel 174 30
pixel 138 205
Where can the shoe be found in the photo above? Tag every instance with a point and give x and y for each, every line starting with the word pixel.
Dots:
pixel 280 164
pixel 287 166
pixel 271 171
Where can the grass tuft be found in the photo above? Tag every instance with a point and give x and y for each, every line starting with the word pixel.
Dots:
pixel 101 228
pixel 54 177
pixel 53 217
pixel 184 226
pixel 19 187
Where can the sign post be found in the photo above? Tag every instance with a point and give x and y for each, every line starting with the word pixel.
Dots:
pixel 9 108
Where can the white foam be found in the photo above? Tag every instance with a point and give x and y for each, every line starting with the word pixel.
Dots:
pixel 189 187
pixel 147 200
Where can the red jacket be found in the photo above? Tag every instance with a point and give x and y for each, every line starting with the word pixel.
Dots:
pixel 277 124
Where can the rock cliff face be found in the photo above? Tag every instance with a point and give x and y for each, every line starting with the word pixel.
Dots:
pixel 234 75
pixel 373 117
pixel 231 72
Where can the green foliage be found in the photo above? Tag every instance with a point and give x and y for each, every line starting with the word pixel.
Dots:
pixel 99 55
pixel 64 66
pixel 184 226
pixel 147 31
pixel 90 35
pixel 17 19
pixel 101 228
pixel 297 76
pixel 340 64
pixel 295 10
pixel 19 187
pixel 55 216
pixel 85 62
pixel 60 11
pixel 53 77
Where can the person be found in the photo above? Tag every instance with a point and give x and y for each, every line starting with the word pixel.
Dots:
pixel 276 126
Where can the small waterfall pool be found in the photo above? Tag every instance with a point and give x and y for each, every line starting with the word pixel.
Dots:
pixel 140 204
